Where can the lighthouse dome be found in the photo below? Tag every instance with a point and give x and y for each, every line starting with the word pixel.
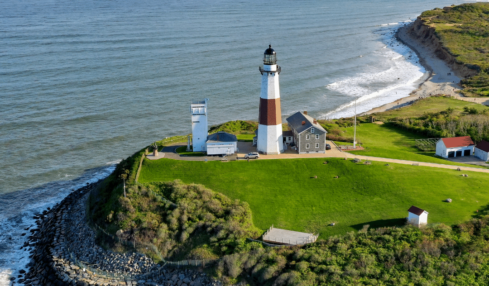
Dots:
pixel 270 57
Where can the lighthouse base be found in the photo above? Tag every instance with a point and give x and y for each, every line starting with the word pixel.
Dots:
pixel 270 139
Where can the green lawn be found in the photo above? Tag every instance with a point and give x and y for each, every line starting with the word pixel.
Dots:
pixel 339 143
pixel 387 141
pixel 245 137
pixel 182 150
pixel 283 192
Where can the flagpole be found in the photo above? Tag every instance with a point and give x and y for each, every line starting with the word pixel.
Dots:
pixel 355 127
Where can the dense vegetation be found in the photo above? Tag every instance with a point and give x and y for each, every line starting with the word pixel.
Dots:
pixel 236 127
pixel 458 118
pixel 437 255
pixel 464 32
pixel 180 220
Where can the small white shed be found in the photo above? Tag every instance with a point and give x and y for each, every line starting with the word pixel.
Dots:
pixel 417 216
pixel 221 143
pixel 455 147
pixel 482 150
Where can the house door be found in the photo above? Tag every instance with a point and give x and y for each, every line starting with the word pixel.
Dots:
pixel 451 154
pixel 466 152
pixel 459 153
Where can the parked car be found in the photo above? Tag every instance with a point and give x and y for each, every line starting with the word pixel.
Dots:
pixel 252 155
pixel 328 147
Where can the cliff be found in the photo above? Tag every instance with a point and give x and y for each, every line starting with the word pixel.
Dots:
pixel 426 35
pixel 459 36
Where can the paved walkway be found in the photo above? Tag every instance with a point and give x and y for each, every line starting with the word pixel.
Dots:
pixel 169 152
pixel 480 100
pixel 336 153
pixel 245 148
pixel 469 160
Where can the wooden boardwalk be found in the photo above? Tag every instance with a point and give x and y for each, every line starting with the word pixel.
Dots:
pixel 288 237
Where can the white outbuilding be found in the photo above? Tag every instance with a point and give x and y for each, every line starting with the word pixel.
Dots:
pixel 221 143
pixel 482 150
pixel 455 147
pixel 198 109
pixel 417 216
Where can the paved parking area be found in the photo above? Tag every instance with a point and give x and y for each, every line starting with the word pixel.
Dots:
pixel 246 147
pixel 469 160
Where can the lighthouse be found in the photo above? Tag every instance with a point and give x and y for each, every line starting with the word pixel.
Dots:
pixel 270 140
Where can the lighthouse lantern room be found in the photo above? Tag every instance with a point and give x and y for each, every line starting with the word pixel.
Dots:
pixel 270 140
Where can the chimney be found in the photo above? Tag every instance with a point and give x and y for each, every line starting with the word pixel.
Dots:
pixel 303 123
pixel 315 121
pixel 305 112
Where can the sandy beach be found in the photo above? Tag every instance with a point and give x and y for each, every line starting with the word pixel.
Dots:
pixel 439 78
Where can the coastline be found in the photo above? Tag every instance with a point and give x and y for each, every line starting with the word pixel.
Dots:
pixel 439 78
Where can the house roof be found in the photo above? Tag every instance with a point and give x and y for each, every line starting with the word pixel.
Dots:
pixel 457 141
pixel 221 137
pixel 416 210
pixel 483 145
pixel 287 133
pixel 296 119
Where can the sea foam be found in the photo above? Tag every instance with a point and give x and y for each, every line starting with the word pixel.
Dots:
pixel 18 218
pixel 373 89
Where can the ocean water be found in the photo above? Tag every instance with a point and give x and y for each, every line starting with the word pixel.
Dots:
pixel 84 84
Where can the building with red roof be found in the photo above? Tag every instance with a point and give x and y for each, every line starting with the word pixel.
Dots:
pixel 455 147
pixel 482 150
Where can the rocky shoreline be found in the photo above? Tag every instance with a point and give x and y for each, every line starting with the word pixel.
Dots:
pixel 63 252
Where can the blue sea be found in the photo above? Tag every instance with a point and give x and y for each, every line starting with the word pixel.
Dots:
pixel 84 84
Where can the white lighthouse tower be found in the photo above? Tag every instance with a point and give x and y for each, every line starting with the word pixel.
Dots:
pixel 198 109
pixel 270 139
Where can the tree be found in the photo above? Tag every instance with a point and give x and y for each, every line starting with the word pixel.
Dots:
pixel 124 175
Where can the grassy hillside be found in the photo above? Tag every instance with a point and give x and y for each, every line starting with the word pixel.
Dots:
pixel 464 32
pixel 285 194
pixel 389 141
pixel 431 105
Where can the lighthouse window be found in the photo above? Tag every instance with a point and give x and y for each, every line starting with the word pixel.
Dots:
pixel 312 130
pixel 308 137
pixel 307 146
pixel 317 136
pixel 317 145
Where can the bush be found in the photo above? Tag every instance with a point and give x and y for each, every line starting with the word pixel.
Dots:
pixel 198 214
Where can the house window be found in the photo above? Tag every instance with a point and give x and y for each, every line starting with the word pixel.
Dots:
pixel 312 130
pixel 317 136
pixel 307 146
pixel 317 145
pixel 308 137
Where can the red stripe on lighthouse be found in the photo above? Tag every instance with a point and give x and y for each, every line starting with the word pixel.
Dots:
pixel 270 113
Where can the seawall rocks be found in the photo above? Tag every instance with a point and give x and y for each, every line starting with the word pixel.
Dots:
pixel 62 246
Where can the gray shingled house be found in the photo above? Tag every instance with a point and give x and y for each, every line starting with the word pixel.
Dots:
pixel 307 134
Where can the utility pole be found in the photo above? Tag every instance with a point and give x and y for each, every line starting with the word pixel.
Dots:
pixel 355 127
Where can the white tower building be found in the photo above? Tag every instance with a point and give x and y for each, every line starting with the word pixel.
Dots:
pixel 270 140
pixel 198 109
